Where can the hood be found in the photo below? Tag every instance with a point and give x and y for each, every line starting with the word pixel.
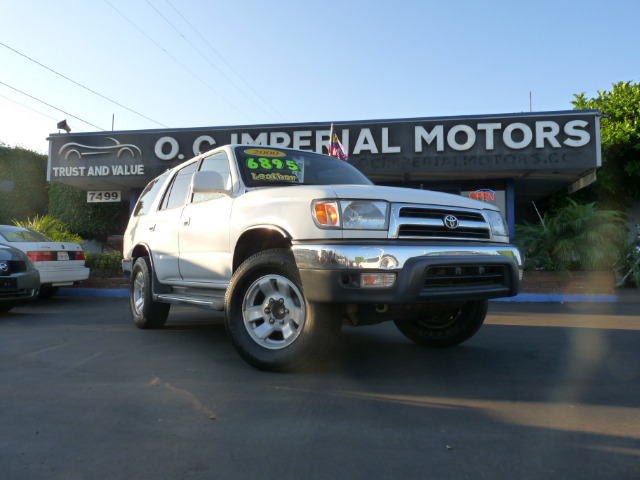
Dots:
pixel 408 195
pixel 369 192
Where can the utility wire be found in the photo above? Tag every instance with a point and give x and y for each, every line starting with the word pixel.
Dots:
pixel 49 105
pixel 208 60
pixel 204 39
pixel 175 59
pixel 80 85
pixel 28 108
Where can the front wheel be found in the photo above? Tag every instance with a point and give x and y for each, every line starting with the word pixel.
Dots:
pixel 447 325
pixel 270 323
pixel 146 312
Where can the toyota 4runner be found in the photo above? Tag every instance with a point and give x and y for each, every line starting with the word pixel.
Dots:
pixel 293 244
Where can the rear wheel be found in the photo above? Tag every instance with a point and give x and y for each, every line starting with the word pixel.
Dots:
pixel 270 322
pixel 47 292
pixel 146 312
pixel 5 307
pixel 449 325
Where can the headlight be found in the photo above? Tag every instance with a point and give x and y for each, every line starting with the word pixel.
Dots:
pixel 351 214
pixel 497 223
pixel 364 215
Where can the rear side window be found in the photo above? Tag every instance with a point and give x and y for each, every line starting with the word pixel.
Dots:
pixel 177 192
pixel 148 194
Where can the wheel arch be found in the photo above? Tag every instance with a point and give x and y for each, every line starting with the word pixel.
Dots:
pixel 257 239
pixel 143 250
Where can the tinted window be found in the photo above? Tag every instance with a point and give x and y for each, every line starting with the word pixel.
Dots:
pixel 148 194
pixel 177 192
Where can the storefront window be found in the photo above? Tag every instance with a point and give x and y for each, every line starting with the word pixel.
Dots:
pixel 492 194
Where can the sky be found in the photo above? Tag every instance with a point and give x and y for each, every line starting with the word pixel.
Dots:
pixel 154 64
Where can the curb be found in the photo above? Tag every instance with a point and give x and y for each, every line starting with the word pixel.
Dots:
pixel 559 298
pixel 521 298
pixel 93 292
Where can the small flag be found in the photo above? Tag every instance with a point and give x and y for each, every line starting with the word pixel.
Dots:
pixel 335 147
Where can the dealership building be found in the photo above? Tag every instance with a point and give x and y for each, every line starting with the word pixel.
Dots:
pixel 509 160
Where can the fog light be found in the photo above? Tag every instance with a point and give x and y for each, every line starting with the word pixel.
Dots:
pixel 377 280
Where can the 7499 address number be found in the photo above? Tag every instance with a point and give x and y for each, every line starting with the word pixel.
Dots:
pixel 99 196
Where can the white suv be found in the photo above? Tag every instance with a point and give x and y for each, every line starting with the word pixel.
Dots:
pixel 292 244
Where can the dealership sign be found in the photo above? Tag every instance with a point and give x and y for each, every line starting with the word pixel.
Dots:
pixel 450 144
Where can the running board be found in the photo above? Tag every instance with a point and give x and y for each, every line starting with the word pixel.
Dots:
pixel 210 303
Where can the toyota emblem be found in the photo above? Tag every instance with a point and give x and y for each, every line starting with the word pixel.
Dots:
pixel 451 222
pixel 4 267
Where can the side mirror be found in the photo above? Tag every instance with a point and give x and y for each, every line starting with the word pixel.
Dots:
pixel 208 182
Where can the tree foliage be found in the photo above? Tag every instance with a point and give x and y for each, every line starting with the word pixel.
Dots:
pixel 23 184
pixel 619 176
pixel 574 237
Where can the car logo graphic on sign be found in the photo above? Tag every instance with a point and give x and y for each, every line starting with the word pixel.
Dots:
pixel 87 150
pixel 4 267
pixel 451 222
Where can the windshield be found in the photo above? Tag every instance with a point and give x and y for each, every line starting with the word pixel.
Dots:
pixel 267 166
pixel 17 234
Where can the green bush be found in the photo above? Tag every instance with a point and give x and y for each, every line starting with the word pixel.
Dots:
pixel 107 264
pixel 90 220
pixel 23 184
pixel 574 237
pixel 628 272
pixel 51 227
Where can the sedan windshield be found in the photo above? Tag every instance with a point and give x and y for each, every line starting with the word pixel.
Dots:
pixel 268 166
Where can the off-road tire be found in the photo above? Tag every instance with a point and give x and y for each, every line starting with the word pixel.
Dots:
pixel 451 325
pixel 270 322
pixel 146 312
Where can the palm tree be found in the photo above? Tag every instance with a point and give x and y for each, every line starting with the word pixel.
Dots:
pixel 575 237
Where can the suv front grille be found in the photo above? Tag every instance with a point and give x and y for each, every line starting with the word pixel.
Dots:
pixel 423 212
pixel 425 222
pixel 466 275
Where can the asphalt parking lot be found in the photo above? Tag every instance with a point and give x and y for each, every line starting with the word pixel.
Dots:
pixel 543 391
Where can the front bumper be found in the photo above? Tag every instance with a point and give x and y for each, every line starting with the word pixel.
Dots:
pixel 424 272
pixel 19 286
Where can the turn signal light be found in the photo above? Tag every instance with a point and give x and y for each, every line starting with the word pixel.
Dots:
pixel 377 280
pixel 326 213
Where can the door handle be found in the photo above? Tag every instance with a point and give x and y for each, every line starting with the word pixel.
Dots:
pixel 186 222
pixel 152 228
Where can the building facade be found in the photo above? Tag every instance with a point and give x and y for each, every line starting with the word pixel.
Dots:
pixel 510 160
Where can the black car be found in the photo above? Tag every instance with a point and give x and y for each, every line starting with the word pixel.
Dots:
pixel 19 280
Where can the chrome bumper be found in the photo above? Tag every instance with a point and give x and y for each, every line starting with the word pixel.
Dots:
pixel 334 273
pixel 390 257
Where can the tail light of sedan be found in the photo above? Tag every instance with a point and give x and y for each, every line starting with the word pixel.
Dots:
pixel 48 256
pixel 45 256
